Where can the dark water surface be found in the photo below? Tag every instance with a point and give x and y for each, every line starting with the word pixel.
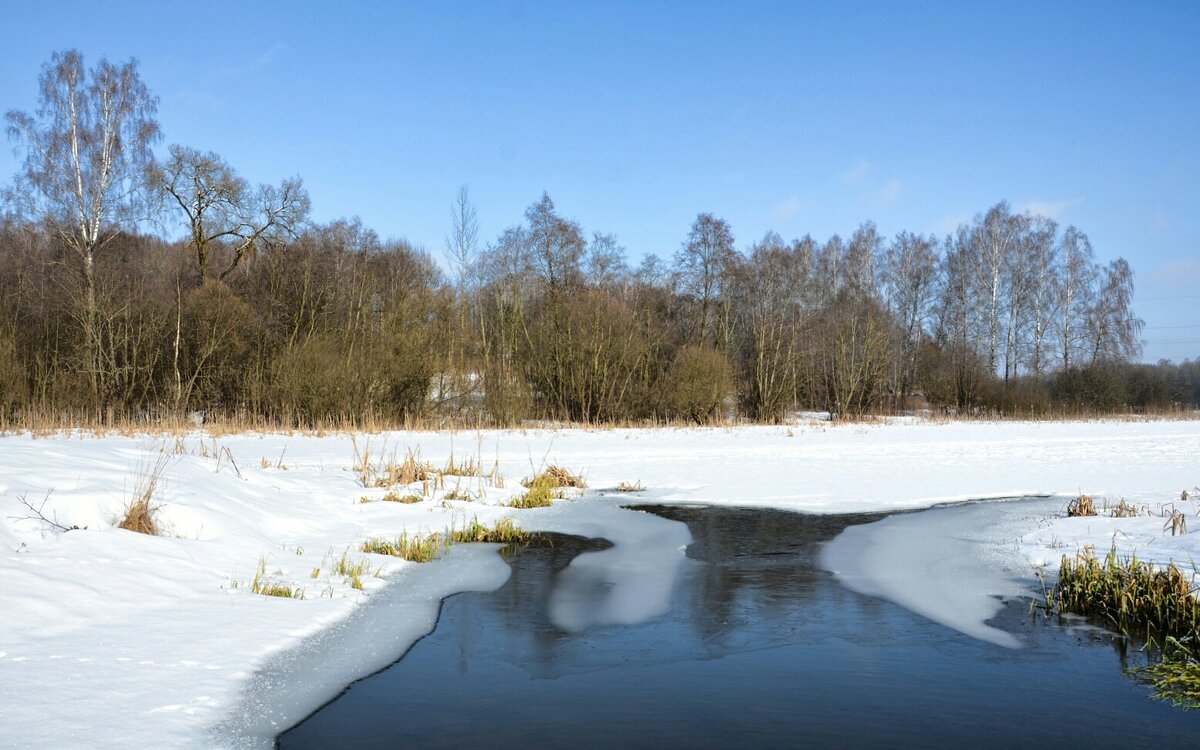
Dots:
pixel 761 648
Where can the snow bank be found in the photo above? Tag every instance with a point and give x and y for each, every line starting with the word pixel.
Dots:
pixel 112 639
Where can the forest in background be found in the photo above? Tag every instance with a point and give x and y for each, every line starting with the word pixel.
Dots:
pixel 261 314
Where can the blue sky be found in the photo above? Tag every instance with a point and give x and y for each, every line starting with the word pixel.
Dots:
pixel 802 118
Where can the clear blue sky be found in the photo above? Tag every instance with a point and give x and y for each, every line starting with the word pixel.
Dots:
pixel 802 118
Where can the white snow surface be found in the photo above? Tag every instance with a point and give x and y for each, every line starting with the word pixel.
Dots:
pixel 112 639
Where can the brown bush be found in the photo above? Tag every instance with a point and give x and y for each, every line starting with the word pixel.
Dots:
pixel 697 384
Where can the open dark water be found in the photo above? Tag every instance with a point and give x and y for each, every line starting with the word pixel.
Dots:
pixel 761 648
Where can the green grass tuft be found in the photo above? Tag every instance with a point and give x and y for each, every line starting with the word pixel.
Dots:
pixel 504 532
pixel 538 496
pixel 413 549
pixel 265 586
pixel 1175 680
pixel 1134 597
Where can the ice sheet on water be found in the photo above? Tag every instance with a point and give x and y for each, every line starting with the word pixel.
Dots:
pixel 628 583
pixel 954 565
pixel 299 681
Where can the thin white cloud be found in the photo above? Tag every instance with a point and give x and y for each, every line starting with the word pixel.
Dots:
pixel 1049 209
pixel 200 100
pixel 889 192
pixel 950 222
pixel 857 172
pixel 1182 272
pixel 869 185
pixel 258 62
pixel 790 206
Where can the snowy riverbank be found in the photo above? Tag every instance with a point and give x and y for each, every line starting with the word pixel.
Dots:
pixel 114 639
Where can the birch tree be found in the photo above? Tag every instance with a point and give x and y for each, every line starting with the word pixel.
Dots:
pixel 1076 276
pixel 995 235
pixel 86 150
pixel 910 279
pixel 1042 256
pixel 1113 329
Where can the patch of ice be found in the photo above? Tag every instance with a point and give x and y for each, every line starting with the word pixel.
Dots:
pixel 628 583
pixel 953 565
pixel 296 682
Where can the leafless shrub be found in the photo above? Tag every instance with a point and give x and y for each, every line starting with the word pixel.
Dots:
pixel 37 513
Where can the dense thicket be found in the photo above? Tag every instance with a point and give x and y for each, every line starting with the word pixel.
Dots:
pixel 257 311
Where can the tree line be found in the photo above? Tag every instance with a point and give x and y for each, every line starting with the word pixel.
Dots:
pixel 259 311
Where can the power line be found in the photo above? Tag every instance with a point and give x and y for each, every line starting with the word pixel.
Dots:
pixel 1161 299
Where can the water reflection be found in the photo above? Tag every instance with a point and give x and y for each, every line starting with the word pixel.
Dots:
pixel 759 648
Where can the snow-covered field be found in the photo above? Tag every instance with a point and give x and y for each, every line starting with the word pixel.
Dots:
pixel 114 639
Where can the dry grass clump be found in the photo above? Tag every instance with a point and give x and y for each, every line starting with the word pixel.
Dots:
pixel 1081 506
pixel 556 477
pixel 395 497
pixel 545 488
pixel 265 586
pixel 1125 510
pixel 390 472
pixel 504 532
pixel 410 470
pixel 141 512
pixel 1131 595
pixel 466 468
pixel 351 570
pixel 627 487
pixel 413 549
pixel 1176 521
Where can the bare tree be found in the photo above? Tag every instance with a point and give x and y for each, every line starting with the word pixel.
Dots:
pixel 1113 330
pixel 462 242
pixel 604 263
pixel 768 297
pixel 220 206
pixel 860 261
pixel 910 275
pixel 87 147
pixel 456 380
pixel 557 245
pixel 1041 253
pixel 1076 278
pixel 701 264
pixel 958 319
pixel 995 236
pixel 272 216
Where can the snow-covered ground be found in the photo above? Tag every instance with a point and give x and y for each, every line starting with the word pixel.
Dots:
pixel 114 639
